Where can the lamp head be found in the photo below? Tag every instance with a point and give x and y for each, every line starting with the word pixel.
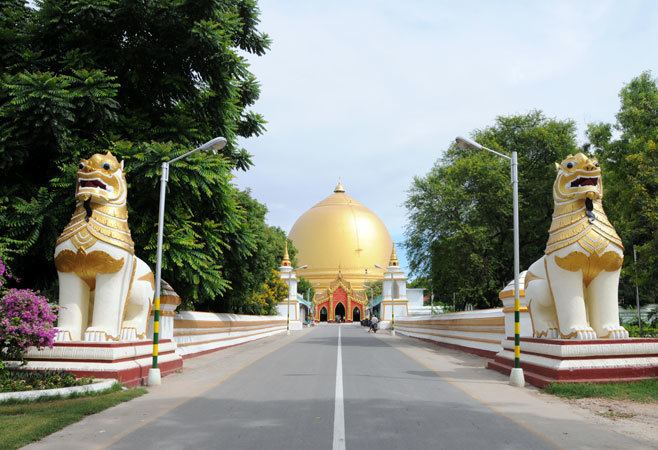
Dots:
pixel 379 267
pixel 465 143
pixel 301 267
pixel 214 145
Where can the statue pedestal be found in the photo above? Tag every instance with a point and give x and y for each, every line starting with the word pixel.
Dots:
pixel 547 361
pixel 127 362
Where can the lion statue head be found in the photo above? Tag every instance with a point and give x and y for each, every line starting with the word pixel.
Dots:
pixel 578 177
pixel 101 180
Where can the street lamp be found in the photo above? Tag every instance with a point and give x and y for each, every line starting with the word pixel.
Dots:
pixel 392 302
pixel 289 278
pixel 213 145
pixel 516 376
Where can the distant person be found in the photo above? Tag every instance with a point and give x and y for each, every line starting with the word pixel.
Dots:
pixel 373 324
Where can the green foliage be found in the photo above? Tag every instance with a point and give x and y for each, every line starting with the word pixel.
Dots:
pixel 648 330
pixel 256 251
pixel 305 288
pixel 419 283
pixel 630 174
pixel 374 288
pixel 147 81
pixel 645 391
pixel 460 229
pixel 273 291
pixel 31 380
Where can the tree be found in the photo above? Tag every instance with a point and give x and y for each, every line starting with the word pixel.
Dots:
pixel 305 288
pixel 419 283
pixel 460 214
pixel 374 288
pixel 147 81
pixel 258 251
pixel 630 174
pixel 273 291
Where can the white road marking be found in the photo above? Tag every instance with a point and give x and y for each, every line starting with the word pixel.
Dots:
pixel 339 407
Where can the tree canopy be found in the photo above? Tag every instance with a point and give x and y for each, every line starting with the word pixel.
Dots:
pixel 630 176
pixel 146 81
pixel 459 234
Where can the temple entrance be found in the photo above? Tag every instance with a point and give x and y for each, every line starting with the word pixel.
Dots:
pixel 339 300
pixel 340 311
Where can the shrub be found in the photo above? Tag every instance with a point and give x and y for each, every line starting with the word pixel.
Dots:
pixel 28 380
pixel 26 320
pixel 647 330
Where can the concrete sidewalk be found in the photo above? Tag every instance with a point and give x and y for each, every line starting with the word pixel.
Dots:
pixel 199 375
pixel 551 418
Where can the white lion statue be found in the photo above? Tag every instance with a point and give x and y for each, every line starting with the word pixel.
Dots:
pixel 105 291
pixel 572 290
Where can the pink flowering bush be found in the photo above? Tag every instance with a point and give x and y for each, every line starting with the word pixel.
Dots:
pixel 4 273
pixel 26 320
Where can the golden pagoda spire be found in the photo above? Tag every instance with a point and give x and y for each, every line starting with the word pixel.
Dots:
pixel 339 187
pixel 286 258
pixel 393 262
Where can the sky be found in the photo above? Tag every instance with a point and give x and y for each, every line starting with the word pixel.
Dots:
pixel 372 92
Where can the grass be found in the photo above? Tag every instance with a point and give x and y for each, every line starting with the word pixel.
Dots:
pixel 22 422
pixel 645 391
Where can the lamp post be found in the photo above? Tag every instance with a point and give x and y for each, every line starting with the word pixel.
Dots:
pixel 392 302
pixel 365 292
pixel 213 145
pixel 516 376
pixel 288 308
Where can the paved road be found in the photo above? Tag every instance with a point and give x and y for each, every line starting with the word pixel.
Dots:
pixel 316 390
pixel 287 400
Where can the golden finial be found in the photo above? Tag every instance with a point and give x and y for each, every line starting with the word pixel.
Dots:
pixel 393 262
pixel 339 187
pixel 286 258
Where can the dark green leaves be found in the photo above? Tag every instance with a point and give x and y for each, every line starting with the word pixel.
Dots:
pixel 630 181
pixel 148 80
pixel 460 214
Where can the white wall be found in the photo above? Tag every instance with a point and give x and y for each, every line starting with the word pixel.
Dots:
pixel 200 332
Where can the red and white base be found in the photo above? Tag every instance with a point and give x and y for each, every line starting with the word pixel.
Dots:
pixel 547 361
pixel 127 362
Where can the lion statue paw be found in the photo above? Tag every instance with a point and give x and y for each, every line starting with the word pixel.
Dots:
pixel 553 333
pixel 583 334
pixel 614 332
pixel 63 336
pixel 128 334
pixel 94 334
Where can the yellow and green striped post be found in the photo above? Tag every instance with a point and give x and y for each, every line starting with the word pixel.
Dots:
pixel 517 332
pixel 156 331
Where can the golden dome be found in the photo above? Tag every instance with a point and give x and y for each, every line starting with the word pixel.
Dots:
pixel 339 234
